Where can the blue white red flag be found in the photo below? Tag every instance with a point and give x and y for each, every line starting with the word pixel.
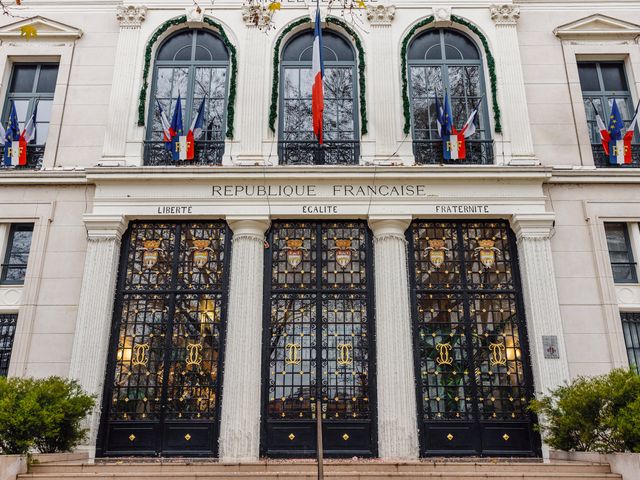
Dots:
pixel 619 145
pixel 453 145
pixel 167 133
pixel 195 131
pixel 179 144
pixel 14 155
pixel 29 132
pixel 317 92
pixel 439 117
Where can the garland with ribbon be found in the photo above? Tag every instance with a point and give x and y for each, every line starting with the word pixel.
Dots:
pixel 491 65
pixel 273 110
pixel 147 67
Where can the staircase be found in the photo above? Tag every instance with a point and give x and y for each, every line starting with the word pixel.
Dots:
pixel 441 469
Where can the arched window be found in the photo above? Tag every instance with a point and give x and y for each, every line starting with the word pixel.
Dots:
pixel 193 64
pixel 297 142
pixel 440 61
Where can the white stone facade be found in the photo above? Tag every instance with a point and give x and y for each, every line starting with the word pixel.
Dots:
pixel 543 181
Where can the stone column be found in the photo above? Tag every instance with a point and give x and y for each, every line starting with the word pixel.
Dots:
pixel 384 72
pixel 252 92
pixel 513 100
pixel 130 18
pixel 95 309
pixel 240 416
pixel 542 306
pixel 397 411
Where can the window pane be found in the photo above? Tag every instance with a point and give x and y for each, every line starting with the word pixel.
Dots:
pixel 47 79
pixel 174 44
pixel 23 78
pixel 218 83
pixel 472 81
pixel 8 323
pixel 22 107
pixel 631 329
pixel 426 46
pixel 620 255
pixel 616 237
pixel 452 53
pixel 456 81
pixel 291 82
pixel 460 46
pixel 588 77
pixel 17 254
pixel 215 49
pixel 613 77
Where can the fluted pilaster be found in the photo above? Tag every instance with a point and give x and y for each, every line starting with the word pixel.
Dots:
pixel 514 99
pixel 240 417
pixel 397 421
pixel 541 299
pixel 130 18
pixel 93 322
pixel 384 108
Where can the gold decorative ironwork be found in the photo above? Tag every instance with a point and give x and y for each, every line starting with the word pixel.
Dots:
pixel 140 354
pixel 293 354
pixel 194 355
pixel 200 252
pixel 486 252
pixel 444 354
pixel 132 437
pixel 294 250
pixel 343 251
pixel 437 252
pixel 187 437
pixel 151 253
pixel 291 436
pixel 345 437
pixel 498 356
pixel 505 437
pixel 344 354
pixel 450 437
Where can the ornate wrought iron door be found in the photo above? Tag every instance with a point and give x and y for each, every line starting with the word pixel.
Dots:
pixel 164 372
pixel 319 339
pixel 472 356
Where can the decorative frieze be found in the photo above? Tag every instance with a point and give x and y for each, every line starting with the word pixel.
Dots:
pixel 381 15
pixel 131 16
pixel 505 14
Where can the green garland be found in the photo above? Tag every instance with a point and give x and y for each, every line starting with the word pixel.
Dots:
pixel 273 110
pixel 491 64
pixel 147 67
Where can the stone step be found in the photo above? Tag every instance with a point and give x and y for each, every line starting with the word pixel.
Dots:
pixel 310 467
pixel 347 475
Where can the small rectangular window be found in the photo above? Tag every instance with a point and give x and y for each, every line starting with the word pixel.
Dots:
pixel 620 253
pixel 14 267
pixel 631 329
pixel 7 332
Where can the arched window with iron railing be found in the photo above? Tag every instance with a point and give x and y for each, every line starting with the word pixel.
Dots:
pixel 192 65
pixel 447 61
pixel 297 144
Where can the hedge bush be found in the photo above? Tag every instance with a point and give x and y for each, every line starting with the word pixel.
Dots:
pixel 41 414
pixel 599 414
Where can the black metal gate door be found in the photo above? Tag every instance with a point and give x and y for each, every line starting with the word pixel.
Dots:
pixel 319 340
pixel 164 371
pixel 471 349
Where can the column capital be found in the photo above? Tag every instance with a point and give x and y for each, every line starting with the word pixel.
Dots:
pixel 389 226
pixel 256 16
pixel 131 16
pixel 105 227
pixel 533 225
pixel 381 15
pixel 249 226
pixel 505 14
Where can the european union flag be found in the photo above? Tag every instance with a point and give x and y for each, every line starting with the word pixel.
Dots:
pixel 615 122
pixel 619 145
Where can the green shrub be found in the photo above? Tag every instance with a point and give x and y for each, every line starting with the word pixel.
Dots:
pixel 44 414
pixel 600 414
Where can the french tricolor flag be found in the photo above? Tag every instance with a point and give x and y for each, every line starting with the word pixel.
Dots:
pixel 317 93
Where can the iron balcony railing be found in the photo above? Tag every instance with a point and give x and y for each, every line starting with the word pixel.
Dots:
pixel 601 159
pixel 35 154
pixel 429 152
pixel 207 152
pixel 333 152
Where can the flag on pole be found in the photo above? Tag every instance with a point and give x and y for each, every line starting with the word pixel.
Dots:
pixel 453 145
pixel 619 148
pixel 167 133
pixel 602 128
pixel 12 153
pixel 628 136
pixel 317 92
pixel 439 118
pixel 195 131
pixel 179 139
pixel 29 132
pixel 469 127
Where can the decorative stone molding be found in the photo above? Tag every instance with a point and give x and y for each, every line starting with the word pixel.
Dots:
pixel 105 226
pixel 598 27
pixel 47 29
pixel 256 16
pixel 381 14
pixel 505 14
pixel 442 14
pixel 131 16
pixel 195 16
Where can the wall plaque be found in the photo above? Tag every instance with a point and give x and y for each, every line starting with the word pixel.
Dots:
pixel 550 346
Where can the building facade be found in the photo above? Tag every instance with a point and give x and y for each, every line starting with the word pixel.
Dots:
pixel 416 303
